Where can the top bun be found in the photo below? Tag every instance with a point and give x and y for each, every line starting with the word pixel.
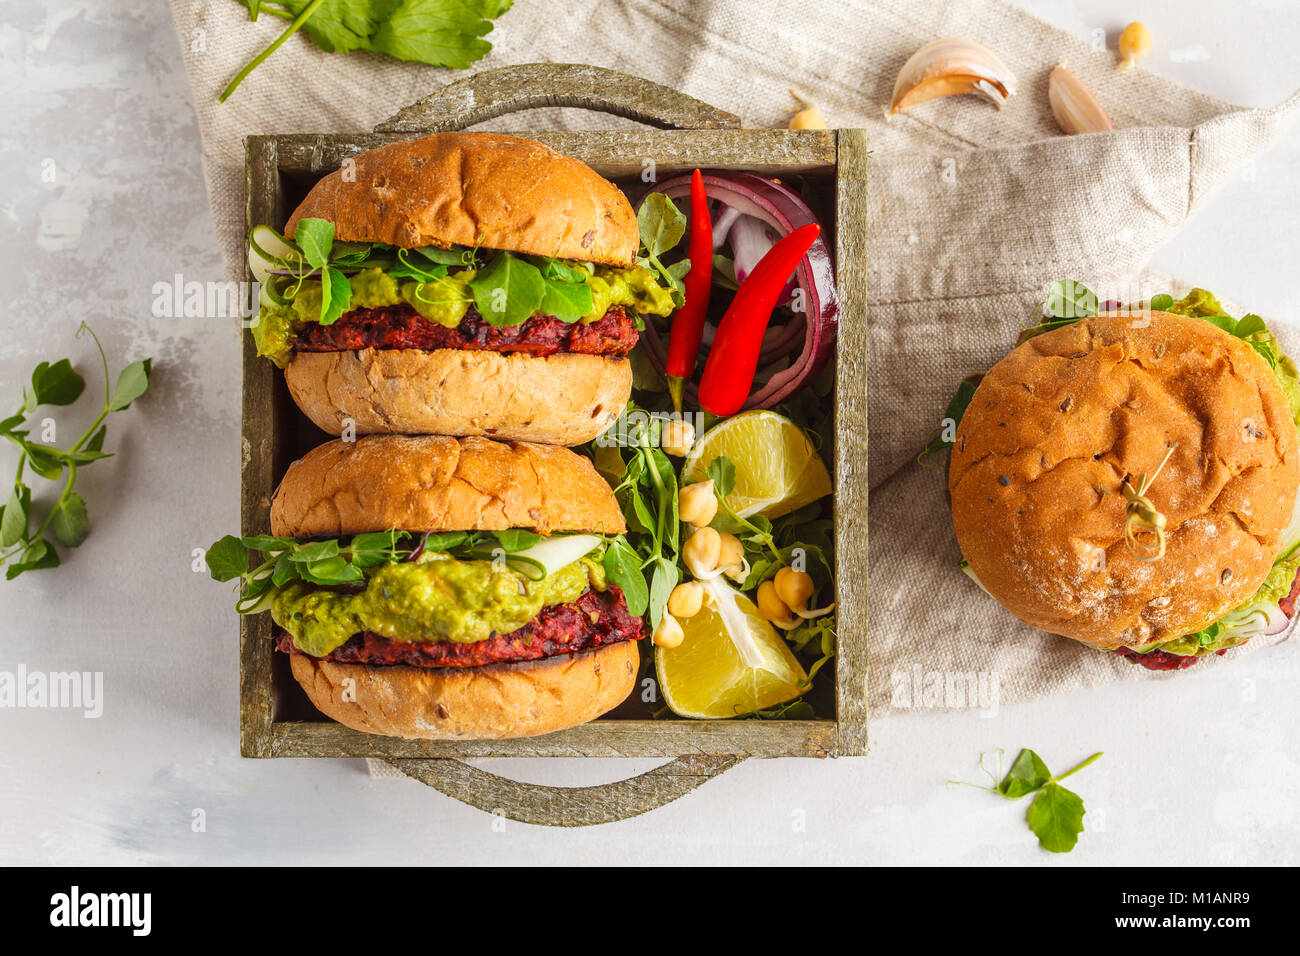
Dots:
pixel 473 189
pixel 435 483
pixel 1054 429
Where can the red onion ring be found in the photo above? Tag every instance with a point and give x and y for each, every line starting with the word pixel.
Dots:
pixel 784 210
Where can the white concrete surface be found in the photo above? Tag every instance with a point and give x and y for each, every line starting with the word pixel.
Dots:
pixel 1200 770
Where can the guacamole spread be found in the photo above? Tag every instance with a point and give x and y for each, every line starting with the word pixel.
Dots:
pixel 443 300
pixel 438 598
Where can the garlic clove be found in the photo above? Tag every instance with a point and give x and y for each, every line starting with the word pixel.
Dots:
pixel 1073 104
pixel 808 116
pixel 951 67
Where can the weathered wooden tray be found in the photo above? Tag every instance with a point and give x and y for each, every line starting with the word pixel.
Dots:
pixel 275 718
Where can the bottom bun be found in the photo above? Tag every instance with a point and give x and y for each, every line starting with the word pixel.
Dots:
pixel 561 399
pixel 473 703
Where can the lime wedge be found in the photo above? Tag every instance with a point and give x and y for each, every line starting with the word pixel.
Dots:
pixel 777 469
pixel 730 662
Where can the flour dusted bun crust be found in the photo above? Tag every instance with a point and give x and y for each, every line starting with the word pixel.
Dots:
pixel 494 702
pixel 476 189
pixel 1056 427
pixel 435 483
pixel 461 392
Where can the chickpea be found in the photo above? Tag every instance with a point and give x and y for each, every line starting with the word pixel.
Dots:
pixel 700 552
pixel 669 633
pixel 676 437
pixel 1134 44
pixel 771 606
pixel 697 504
pixel 731 556
pixel 686 600
pixel 793 587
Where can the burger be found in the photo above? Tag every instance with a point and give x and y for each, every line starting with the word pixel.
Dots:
pixel 479 605
pixel 460 284
pixel 1128 480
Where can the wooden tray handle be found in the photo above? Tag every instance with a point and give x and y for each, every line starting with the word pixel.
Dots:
pixel 494 93
pixel 567 806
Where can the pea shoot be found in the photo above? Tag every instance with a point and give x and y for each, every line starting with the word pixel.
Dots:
pixel 67 520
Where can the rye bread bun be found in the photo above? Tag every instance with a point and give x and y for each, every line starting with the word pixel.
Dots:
pixel 561 399
pixel 476 703
pixel 1054 429
pixel 435 483
pixel 471 189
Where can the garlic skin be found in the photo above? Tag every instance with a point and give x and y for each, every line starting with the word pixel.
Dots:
pixel 950 67
pixel 1075 108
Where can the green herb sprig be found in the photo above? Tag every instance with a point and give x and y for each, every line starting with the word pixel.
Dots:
pixel 511 288
pixel 334 562
pixel 643 563
pixel 327 563
pixel 57 384
pixel 661 226
pixel 1056 814
pixel 756 530
pixel 506 288
pixel 437 32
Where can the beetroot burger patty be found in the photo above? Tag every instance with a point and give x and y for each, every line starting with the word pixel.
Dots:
pixel 596 619
pixel 401 327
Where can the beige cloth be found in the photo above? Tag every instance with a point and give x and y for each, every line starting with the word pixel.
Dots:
pixel 973 213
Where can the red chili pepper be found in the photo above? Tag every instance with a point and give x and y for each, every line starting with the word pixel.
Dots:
pixel 688 323
pixel 733 360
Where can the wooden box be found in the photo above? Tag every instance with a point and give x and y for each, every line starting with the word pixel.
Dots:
pixel 276 720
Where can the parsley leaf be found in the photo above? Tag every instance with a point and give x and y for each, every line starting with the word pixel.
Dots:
pixel 437 32
pixel 341 26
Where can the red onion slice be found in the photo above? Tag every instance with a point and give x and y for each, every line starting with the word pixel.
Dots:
pixel 779 207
